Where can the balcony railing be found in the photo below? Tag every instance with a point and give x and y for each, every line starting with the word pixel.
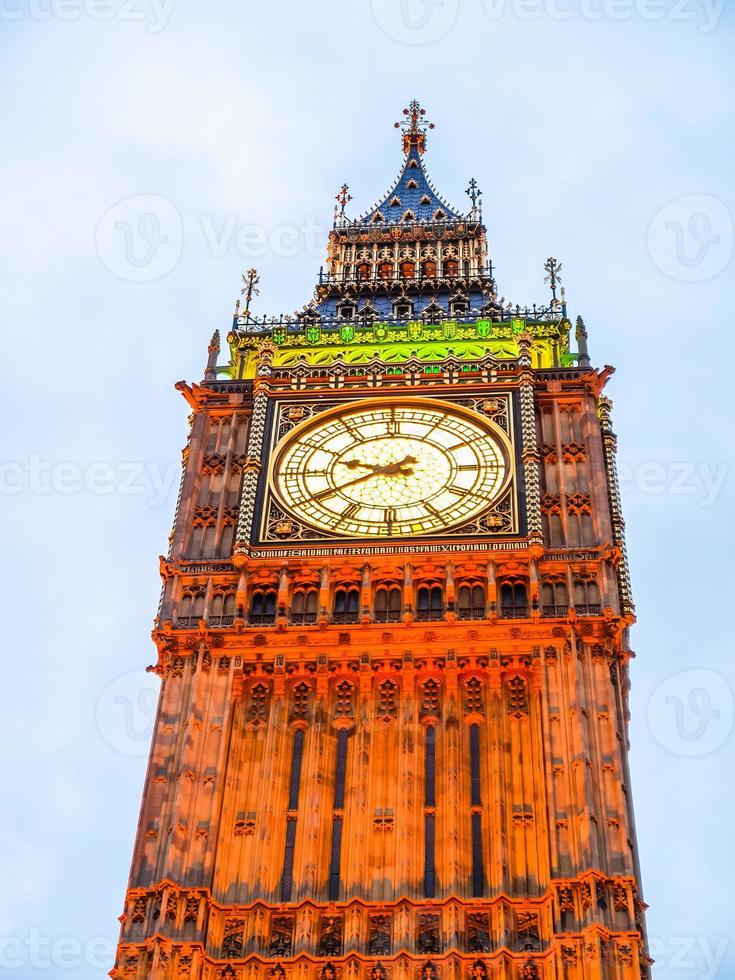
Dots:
pixel 514 612
pixel 250 325
pixel 558 610
pixel 261 619
pixel 590 609
pixel 186 622
pixel 345 617
pixel 221 620
pixel 303 619
pixel 429 615
pixel 417 278
pixel 387 616
pixel 477 612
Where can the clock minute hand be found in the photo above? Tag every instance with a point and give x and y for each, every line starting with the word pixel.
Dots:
pixel 389 469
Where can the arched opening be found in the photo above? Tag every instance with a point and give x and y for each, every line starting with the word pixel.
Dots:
pixel 587 597
pixel 304 606
pixel 346 605
pixel 514 599
pixel 388 604
pixel 191 608
pixel 223 609
pixel 554 599
pixel 429 603
pixel 471 602
pixel 262 607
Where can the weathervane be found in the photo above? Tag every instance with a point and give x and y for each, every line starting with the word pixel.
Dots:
pixel 343 198
pixel 475 195
pixel 553 278
pixel 414 127
pixel 249 289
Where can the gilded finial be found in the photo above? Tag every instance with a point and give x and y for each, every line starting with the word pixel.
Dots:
pixel 414 127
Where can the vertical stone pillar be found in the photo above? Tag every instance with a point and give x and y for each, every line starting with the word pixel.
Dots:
pixel 251 469
pixel 529 443
pixel 609 449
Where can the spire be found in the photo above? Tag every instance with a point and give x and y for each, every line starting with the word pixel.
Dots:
pixel 581 336
pixel 210 374
pixel 414 127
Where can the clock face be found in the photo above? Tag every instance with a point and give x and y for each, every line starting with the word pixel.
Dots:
pixel 385 470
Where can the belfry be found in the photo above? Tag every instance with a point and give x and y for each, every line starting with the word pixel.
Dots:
pixel 392 736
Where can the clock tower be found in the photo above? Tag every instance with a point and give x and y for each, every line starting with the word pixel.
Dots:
pixel 391 741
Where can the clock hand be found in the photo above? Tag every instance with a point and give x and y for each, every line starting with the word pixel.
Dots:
pixel 389 469
pixel 386 468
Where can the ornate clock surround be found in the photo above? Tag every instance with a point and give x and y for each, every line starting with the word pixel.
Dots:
pixel 504 518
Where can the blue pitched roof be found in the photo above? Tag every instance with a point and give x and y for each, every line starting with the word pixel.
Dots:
pixel 410 198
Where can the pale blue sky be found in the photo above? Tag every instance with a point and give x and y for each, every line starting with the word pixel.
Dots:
pixel 604 138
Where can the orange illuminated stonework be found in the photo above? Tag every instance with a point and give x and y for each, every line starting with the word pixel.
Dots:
pixel 391 742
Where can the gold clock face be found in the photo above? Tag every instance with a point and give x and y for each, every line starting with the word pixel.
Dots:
pixel 387 470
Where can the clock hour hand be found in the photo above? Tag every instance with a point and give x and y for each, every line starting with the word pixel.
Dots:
pixel 387 469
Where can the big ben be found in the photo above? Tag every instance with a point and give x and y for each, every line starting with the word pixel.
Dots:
pixel 392 735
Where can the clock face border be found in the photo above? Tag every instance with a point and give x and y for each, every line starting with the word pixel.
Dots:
pixel 289 415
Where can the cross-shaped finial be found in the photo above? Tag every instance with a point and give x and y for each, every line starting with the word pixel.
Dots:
pixel 414 127
pixel 249 289
pixel 475 195
pixel 553 268
pixel 343 198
